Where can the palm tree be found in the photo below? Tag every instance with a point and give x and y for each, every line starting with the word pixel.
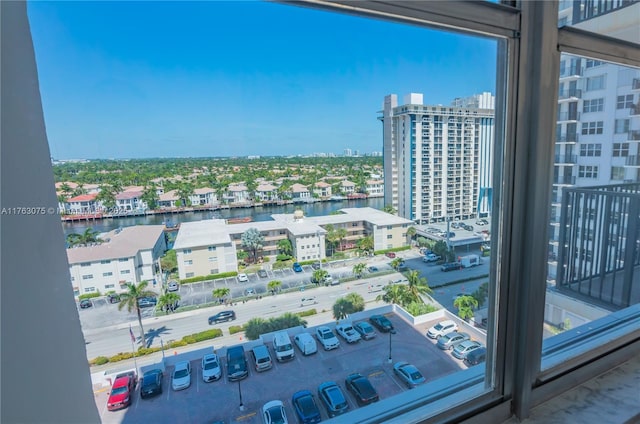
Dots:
pixel 356 301
pixel 394 293
pixel 358 269
pixel 465 305
pixel 129 299
pixel 89 236
pixel 341 308
pixel 417 286
pixel 411 231
pixel 395 263
pixel 168 300
pixel 221 292
pixel 274 286
pixel 318 276
pixel 389 209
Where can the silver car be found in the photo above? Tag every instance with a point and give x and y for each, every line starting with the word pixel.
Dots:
pixel 449 341
pixel 462 350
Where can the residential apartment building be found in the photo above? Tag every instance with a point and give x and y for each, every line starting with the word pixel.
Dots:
pixel 203 196
pixel 598 126
pixel 375 188
pixel 210 246
pixel 127 255
pixel 438 159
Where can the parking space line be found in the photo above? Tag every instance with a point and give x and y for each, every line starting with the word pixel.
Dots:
pixel 246 416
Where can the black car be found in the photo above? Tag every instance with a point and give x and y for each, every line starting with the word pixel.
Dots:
pixel 362 389
pixel 382 323
pixel 476 356
pixel 262 273
pixel 315 265
pixel 223 316
pixel 305 406
pixel 85 303
pixel 151 384
pixel 236 364
pixel 450 266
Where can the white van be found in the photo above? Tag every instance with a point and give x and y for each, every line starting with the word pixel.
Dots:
pixel 306 301
pixel 283 347
pixel 306 343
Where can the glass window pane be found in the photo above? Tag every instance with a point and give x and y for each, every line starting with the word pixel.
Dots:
pixel 399 135
pixel 594 249
pixel 614 18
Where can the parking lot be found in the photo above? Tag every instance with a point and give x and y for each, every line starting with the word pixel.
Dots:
pixel 220 400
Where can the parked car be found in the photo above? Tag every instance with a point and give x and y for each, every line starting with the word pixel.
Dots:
pixel 431 257
pixel 211 370
pixel 113 298
pixel 315 265
pixel 348 333
pixel 365 329
pixel 330 281
pixel 243 278
pixel 222 316
pixel 442 328
pixel 327 339
pixel 361 388
pixel 173 286
pixel 451 340
pixel 390 255
pixel 147 302
pixel 373 269
pixel 297 267
pixel 482 222
pixel 181 378
pixel 382 323
pixel 450 266
pixel 85 303
pixel 305 407
pixel 463 349
pixel 151 383
pixel 262 273
pixel 261 358
pixel 409 374
pixel 476 356
pixel 333 399
pixel 236 364
pixel 273 413
pixel 121 391
pixel 468 227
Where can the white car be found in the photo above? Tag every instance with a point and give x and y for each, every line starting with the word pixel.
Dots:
pixel 327 339
pixel 181 378
pixel 273 413
pixel 442 328
pixel 243 278
pixel 173 286
pixel 431 257
pixel 211 370
pixel 348 333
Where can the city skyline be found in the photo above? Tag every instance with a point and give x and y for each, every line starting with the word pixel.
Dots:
pixel 140 80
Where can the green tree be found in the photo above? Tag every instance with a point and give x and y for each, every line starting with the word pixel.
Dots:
pixel 253 241
pixel 169 262
pixel 396 263
pixel 185 191
pixel 480 295
pixel 411 232
pixel 417 286
pixel 107 196
pixel 389 209
pixel 341 308
pixel 129 300
pixel 440 248
pixel 89 236
pixel 465 305
pixel 274 286
pixel 318 276
pixel 167 301
pixel 150 197
pixel 285 247
pixel 416 308
pixel 341 234
pixel 221 293
pixel 394 293
pixel 358 269
pixel 242 255
pixel 331 238
pixel 356 301
pixel 366 244
pixel 254 328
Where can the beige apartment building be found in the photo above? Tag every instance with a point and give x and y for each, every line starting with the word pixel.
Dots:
pixel 210 246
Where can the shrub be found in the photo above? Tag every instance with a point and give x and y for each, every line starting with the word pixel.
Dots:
pixel 100 360
pixel 236 329
pixel 307 313
pixel 147 350
pixel 89 295
pixel 178 343
pixel 121 356
pixel 208 277
pixel 282 257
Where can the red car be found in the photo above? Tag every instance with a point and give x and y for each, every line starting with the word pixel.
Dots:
pixel 121 391
pixel 390 255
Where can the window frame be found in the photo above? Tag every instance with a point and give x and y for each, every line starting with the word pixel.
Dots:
pixel 528 33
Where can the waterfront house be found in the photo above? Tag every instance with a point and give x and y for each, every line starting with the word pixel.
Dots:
pixel 375 188
pixel 238 193
pixel 322 189
pixel 347 187
pixel 130 201
pixel 82 204
pixel 125 255
pixel 203 196
pixel 299 191
pixel 266 192
pixel 168 199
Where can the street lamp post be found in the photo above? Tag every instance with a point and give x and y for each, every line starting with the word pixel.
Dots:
pixel 390 360
pixel 240 393
pixel 319 249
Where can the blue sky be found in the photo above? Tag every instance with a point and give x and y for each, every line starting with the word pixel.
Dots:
pixel 164 79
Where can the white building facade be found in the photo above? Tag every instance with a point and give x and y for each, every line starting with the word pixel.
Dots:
pixel 438 159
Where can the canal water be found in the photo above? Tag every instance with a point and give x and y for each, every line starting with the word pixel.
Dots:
pixel 260 213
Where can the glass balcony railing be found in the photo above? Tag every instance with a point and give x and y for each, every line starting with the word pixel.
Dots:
pixel 567 138
pixel 568 116
pixel 570 93
pixel 564 179
pixel 566 159
pixel 571 71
